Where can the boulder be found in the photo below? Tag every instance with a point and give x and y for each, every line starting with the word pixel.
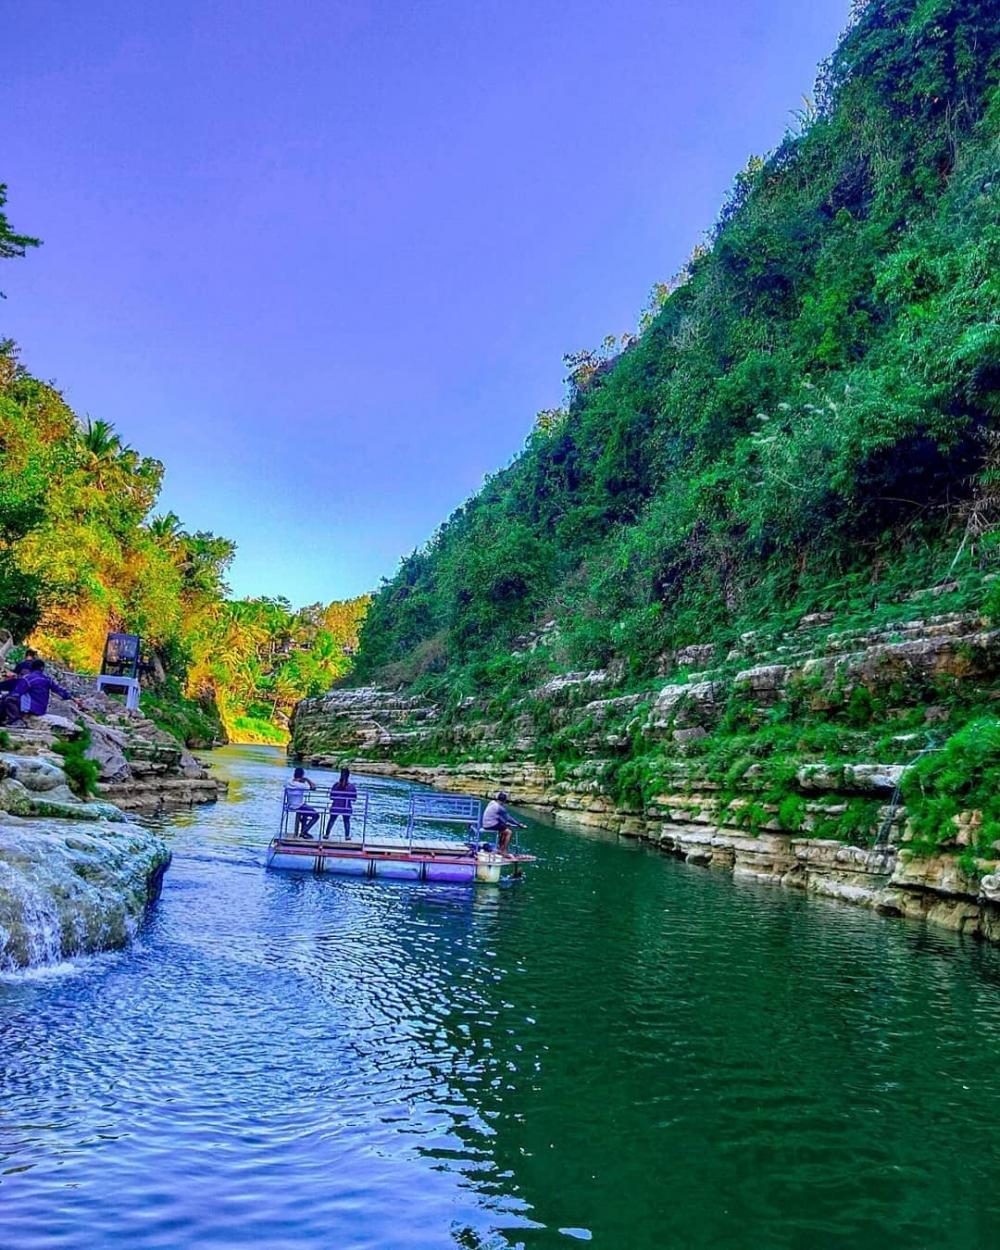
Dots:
pixel 108 753
pixel 66 890
pixel 698 655
pixel 682 704
pixel 190 767
pixel 989 888
pixel 851 778
pixel 815 620
pixel 938 874
pixel 34 772
pixel 764 680
pixel 15 798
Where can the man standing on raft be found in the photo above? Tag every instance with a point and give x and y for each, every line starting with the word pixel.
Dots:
pixel 496 819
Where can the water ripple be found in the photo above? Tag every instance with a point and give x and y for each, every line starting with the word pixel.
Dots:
pixel 622 1049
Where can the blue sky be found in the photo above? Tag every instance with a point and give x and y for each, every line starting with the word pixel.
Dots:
pixel 324 260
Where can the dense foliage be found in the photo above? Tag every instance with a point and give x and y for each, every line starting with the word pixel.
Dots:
pixel 809 404
pixel 81 553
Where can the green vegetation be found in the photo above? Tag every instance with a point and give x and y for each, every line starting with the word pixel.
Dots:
pixel 806 420
pixel 82 553
pixel 81 773
pixel 193 721
pixel 962 779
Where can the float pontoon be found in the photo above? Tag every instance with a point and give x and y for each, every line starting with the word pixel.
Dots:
pixel 410 855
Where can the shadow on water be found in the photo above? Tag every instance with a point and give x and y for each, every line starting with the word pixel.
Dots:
pixel 620 1049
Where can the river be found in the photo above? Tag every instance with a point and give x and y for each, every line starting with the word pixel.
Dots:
pixel 619 1049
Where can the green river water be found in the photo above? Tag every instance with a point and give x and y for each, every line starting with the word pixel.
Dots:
pixel 621 1049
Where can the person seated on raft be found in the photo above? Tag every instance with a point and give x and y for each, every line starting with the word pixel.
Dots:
pixel 295 800
pixel 343 792
pixel 29 694
pixel 496 819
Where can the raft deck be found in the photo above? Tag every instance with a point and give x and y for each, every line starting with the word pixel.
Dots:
pixel 375 852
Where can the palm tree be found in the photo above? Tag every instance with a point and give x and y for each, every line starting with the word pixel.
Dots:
pixel 105 450
pixel 100 439
pixel 166 528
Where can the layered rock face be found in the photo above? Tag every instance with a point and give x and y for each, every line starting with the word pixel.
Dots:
pixel 365 721
pixel 685 808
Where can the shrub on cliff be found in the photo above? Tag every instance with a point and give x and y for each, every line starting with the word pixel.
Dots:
pixel 809 402
pixel 958 782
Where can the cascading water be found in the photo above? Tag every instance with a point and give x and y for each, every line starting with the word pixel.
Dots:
pixel 29 928
pixel 67 890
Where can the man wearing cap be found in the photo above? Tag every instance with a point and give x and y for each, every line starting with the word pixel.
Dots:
pixel 496 819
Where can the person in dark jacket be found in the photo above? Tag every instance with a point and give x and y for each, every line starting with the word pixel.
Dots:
pixel 29 694
pixel 10 703
pixel 497 820
pixel 24 666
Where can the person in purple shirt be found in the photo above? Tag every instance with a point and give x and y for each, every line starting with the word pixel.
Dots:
pixel 496 819
pixel 342 795
pixel 29 694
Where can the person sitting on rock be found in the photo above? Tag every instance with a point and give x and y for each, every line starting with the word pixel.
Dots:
pixel 496 819
pixel 24 666
pixel 295 801
pixel 10 703
pixel 343 792
pixel 29 694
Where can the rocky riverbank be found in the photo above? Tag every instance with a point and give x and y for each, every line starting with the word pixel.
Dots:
pixel 75 873
pixel 889 879
pixel 75 876
pixel 141 768
pixel 776 759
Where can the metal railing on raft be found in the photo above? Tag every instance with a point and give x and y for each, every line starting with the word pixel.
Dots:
pixel 327 805
pixel 315 813
pixel 444 809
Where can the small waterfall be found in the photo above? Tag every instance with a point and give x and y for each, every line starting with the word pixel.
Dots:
pixel 880 848
pixel 66 890
pixel 29 922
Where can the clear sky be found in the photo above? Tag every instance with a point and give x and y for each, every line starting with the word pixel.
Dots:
pixel 324 259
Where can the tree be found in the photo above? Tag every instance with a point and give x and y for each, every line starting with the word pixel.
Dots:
pixel 166 529
pixel 103 447
pixel 12 244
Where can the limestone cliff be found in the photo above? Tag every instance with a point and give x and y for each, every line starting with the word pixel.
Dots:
pixel 783 758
